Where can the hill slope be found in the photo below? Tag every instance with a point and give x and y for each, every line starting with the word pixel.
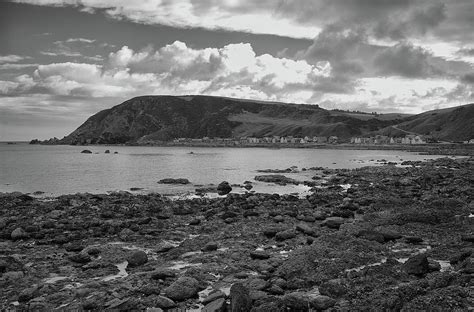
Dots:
pixel 162 118
pixel 450 124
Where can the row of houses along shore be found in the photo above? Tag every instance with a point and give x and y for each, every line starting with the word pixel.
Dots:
pixel 379 139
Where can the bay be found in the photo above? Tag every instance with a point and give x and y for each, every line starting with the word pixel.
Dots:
pixel 63 169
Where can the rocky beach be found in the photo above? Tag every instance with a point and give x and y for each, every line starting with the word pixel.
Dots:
pixel 379 238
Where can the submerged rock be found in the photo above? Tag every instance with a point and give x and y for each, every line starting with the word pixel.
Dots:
pixel 174 181
pixel 275 178
pixel 86 152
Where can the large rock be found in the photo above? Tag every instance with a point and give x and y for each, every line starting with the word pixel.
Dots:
pixel 240 300
pixel 224 188
pixel 215 306
pixel 334 288
pixel 259 255
pixel 371 235
pixel 137 258
pixel 18 234
pixel 86 152
pixel 81 258
pixel 300 301
pixel 275 178
pixel 417 265
pixel 182 289
pixel 284 235
pixel 334 222
pixel 306 229
pixel 163 274
pixel 174 181
pixel 163 302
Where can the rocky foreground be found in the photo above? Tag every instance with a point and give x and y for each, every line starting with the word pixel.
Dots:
pixel 372 239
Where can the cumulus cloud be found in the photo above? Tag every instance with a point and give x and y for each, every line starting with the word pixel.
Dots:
pixel 176 69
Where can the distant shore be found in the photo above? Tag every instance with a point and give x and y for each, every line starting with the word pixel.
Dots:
pixel 451 149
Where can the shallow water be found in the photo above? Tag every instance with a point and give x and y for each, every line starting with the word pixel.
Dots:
pixel 59 169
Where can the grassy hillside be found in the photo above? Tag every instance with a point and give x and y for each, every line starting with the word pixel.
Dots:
pixel 163 118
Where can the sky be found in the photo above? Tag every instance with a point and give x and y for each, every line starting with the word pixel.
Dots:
pixel 63 60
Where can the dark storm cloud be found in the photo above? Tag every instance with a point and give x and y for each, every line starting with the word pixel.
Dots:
pixel 384 18
pixel 404 60
pixel 468 78
pixel 466 51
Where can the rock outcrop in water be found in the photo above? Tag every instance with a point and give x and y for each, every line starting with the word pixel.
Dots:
pixel 397 239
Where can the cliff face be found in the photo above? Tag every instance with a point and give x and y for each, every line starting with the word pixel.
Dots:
pixel 163 118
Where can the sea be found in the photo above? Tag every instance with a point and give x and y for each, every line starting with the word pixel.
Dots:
pixel 52 170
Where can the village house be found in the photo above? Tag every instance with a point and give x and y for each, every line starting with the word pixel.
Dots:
pixel 320 139
pixel 333 139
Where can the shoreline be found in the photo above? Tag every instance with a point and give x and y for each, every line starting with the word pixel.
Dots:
pixel 377 236
pixel 453 149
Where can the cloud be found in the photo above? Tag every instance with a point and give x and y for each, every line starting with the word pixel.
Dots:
pixel 404 60
pixel 74 47
pixel 14 66
pixel 12 58
pixel 83 40
pixel 176 69
pixel 466 51
pixel 468 78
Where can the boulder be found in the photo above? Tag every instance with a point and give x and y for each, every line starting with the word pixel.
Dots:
pixel 126 234
pixel 163 302
pixel 371 235
pixel 334 288
pixel 333 222
pixel 18 234
pixel 163 274
pixel 165 246
pixel 195 221
pixel 174 181
pixel 182 289
pixel 270 232
pixel 137 258
pixel 306 229
pixel 74 247
pixel 417 265
pixel 284 235
pixel 240 300
pixel 86 152
pixel 259 255
pixel 213 296
pixel 300 301
pixel 211 246
pixel 215 306
pixel 468 238
pixel 81 258
pixel 224 188
pixel 27 294
pixel 275 178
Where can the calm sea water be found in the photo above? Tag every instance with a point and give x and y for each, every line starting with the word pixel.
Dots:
pixel 61 169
